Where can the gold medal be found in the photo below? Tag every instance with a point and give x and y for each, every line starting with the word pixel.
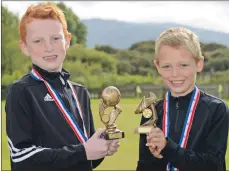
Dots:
pixel 147 113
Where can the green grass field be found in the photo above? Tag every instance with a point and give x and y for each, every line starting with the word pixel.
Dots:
pixel 127 155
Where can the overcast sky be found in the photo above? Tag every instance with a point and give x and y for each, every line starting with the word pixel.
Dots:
pixel 204 14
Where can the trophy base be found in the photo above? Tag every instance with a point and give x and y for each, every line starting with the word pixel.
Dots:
pixel 143 129
pixel 118 134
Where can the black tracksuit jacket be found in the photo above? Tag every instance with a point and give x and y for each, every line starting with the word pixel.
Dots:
pixel 207 144
pixel 38 135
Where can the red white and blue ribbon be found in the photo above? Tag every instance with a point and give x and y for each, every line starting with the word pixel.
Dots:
pixel 188 120
pixel 82 136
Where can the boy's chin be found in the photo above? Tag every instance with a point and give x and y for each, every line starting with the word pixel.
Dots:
pixel 53 68
pixel 179 91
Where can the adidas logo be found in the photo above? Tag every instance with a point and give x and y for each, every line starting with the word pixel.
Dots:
pixel 48 98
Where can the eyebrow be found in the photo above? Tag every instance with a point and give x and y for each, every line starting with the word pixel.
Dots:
pixel 57 35
pixel 38 38
pixel 50 36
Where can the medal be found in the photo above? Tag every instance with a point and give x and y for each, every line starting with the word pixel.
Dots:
pixel 188 120
pixel 147 113
pixel 82 136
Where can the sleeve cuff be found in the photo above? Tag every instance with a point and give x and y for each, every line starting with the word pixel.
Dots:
pixel 170 149
pixel 80 152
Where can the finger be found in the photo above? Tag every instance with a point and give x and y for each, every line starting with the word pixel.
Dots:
pixel 106 148
pixel 99 132
pixel 156 141
pixel 105 145
pixel 152 133
pixel 104 152
pixel 155 135
pixel 115 146
pixel 111 152
pixel 108 142
pixel 157 152
pixel 158 130
pixel 111 148
pixel 155 130
pixel 148 138
pixel 152 150
pixel 151 145
pixel 116 141
pixel 148 144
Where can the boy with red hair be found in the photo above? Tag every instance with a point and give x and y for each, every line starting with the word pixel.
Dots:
pixel 49 122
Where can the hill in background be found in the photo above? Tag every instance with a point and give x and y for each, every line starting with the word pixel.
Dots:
pixel 122 35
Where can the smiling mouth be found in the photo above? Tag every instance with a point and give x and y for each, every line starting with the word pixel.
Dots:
pixel 50 57
pixel 177 81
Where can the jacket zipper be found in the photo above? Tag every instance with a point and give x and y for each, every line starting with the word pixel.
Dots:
pixel 71 104
pixel 177 115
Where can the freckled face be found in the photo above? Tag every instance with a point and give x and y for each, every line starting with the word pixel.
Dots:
pixel 46 44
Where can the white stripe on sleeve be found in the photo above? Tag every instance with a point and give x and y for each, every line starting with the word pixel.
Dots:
pixel 18 155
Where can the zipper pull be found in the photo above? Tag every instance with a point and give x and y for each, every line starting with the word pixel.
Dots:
pixel 62 80
pixel 177 103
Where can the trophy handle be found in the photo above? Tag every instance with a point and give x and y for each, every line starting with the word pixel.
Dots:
pixel 103 117
pixel 114 114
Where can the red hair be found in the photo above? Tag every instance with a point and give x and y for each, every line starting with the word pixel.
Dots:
pixel 42 11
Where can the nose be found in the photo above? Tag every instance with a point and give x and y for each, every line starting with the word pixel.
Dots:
pixel 48 47
pixel 175 71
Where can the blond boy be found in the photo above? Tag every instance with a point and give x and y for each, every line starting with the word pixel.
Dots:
pixel 193 125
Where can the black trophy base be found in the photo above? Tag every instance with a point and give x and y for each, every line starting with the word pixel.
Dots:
pixel 118 134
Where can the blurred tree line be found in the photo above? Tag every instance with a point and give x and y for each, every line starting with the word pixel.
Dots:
pixel 103 65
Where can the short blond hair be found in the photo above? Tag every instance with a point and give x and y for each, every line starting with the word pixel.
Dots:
pixel 179 36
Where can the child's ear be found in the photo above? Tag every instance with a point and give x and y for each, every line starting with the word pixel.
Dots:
pixel 23 48
pixel 156 63
pixel 200 64
pixel 68 40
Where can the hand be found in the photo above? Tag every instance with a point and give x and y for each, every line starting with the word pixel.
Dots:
pixel 113 147
pixel 156 141
pixel 154 150
pixel 96 147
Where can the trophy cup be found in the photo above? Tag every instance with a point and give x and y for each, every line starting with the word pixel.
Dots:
pixel 148 110
pixel 110 98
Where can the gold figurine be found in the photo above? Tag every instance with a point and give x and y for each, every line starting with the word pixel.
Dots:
pixel 110 98
pixel 148 110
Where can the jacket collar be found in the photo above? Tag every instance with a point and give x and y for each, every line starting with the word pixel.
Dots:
pixel 185 97
pixel 51 76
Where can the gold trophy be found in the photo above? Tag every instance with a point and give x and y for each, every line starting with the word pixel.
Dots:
pixel 110 98
pixel 148 110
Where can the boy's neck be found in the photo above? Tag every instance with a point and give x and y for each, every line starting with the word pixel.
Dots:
pixel 51 71
pixel 185 93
